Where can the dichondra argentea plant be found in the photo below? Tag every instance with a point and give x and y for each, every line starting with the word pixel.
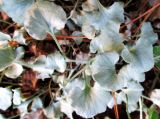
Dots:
pixel 101 25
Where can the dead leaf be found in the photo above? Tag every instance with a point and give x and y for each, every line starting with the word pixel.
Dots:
pixel 29 83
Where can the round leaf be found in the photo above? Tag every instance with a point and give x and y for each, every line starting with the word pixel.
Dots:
pixel 7 56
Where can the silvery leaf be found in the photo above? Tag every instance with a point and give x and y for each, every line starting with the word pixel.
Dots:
pixel 112 101
pixel 53 111
pixel 127 74
pixel 90 101
pixel 1 116
pixel 19 53
pixel 40 65
pixel 23 107
pixel 108 40
pixel 14 70
pixel 77 40
pixel 44 17
pixel 17 96
pixel 78 82
pixel 16 9
pixel 140 56
pixel 89 31
pixel 131 95
pixel 18 37
pixel 66 108
pixel 56 61
pixel 5 98
pixel 4 38
pixel 155 97
pixel 107 22
pixel 36 104
pixel 103 71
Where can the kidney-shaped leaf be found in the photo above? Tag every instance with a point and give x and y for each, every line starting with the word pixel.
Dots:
pixel 44 17
pixel 103 71
pixel 140 56
pixel 131 95
pixel 47 64
pixel 106 22
pixel 7 56
pixel 90 101
pixel 16 9
pixel 56 61
pixel 127 74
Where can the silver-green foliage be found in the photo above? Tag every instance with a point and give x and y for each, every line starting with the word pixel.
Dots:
pixel 102 26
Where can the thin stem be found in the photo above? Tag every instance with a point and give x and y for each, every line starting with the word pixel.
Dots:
pixel 5 22
pixel 127 3
pixel 14 116
pixel 50 91
pixel 79 72
pixel 128 115
pixel 115 106
pixel 8 83
pixel 1 77
pixel 145 97
pixel 140 108
pixel 75 6
pixel 57 43
pixel 142 15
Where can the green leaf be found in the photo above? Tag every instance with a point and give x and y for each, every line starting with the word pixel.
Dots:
pixel 7 56
pixel 153 113
pixel 156 52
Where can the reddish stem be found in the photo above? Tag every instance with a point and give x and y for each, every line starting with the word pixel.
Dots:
pixel 115 106
pixel 144 14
